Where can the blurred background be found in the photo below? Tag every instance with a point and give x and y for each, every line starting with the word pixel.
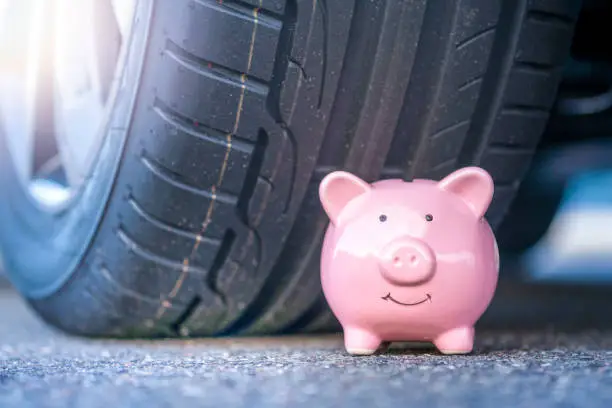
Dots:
pixel 557 239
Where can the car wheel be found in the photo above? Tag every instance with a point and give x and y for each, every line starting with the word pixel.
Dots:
pixel 160 161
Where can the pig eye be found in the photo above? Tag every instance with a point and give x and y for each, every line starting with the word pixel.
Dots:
pixel 428 217
pixel 382 218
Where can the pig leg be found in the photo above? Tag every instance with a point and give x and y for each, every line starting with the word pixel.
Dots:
pixel 360 342
pixel 456 341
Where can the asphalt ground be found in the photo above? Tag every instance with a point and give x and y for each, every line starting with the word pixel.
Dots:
pixel 41 367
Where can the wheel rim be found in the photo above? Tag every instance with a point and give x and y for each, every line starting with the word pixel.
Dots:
pixel 58 66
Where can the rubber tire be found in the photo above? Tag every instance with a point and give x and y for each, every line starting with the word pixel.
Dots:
pixel 210 223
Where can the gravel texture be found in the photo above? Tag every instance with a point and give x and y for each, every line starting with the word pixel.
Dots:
pixel 40 367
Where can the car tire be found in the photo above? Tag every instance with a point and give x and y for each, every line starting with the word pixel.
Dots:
pixel 201 216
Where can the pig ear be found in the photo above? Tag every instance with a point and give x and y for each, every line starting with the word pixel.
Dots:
pixel 337 189
pixel 474 185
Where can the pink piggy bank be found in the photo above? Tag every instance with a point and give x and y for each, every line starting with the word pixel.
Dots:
pixel 409 261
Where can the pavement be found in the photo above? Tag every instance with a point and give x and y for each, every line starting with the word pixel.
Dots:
pixel 40 367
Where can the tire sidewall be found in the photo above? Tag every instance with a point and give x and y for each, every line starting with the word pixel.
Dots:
pixel 41 250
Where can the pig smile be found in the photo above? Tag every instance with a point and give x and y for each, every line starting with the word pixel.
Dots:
pixel 389 297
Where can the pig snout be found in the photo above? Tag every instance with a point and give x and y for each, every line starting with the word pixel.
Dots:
pixel 407 261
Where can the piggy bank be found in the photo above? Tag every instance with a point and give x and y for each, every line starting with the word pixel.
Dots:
pixel 408 261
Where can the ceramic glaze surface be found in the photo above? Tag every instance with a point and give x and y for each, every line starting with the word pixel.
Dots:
pixel 408 261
